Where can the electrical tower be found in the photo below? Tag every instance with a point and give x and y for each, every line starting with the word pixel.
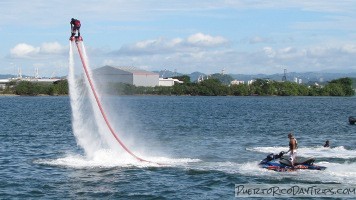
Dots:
pixel 284 78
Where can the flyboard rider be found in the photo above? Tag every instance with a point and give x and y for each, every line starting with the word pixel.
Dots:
pixel 75 27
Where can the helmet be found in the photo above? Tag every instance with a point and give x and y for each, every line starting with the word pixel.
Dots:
pixel 73 19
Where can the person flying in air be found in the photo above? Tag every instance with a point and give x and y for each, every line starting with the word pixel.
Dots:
pixel 75 27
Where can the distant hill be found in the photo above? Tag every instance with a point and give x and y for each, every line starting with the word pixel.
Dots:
pixel 305 76
pixel 6 76
pixel 195 75
pixel 167 74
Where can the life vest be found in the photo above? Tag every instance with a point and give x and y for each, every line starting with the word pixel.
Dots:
pixel 77 23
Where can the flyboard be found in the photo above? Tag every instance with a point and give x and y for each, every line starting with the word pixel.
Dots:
pixel 78 42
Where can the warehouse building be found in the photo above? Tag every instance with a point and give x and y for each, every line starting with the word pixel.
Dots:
pixel 129 75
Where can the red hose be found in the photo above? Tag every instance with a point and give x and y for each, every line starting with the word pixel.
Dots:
pixel 102 110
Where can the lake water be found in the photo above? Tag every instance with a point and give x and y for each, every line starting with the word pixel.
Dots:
pixel 204 146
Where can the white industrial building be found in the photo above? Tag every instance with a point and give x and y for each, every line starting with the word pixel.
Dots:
pixel 129 75
pixel 3 83
pixel 168 81
pixel 298 80
pixel 237 82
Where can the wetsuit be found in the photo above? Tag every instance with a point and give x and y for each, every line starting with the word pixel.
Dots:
pixel 75 26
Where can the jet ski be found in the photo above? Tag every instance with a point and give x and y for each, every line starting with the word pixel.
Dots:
pixel 281 163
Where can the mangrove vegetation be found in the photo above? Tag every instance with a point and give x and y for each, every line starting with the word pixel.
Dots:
pixel 213 86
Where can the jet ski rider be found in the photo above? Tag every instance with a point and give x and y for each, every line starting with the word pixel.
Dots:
pixel 293 145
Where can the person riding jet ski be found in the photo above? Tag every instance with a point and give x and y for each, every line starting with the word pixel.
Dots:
pixel 327 143
pixel 293 145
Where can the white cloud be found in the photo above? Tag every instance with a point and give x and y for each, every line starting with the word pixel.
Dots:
pixel 291 53
pixel 178 53
pixel 206 53
pixel 108 62
pixel 193 43
pixel 52 48
pixel 24 50
pixel 200 39
pixel 269 52
pixel 175 42
pixel 197 52
pixel 257 39
pixel 349 48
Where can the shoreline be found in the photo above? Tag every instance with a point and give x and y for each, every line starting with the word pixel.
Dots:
pixel 9 94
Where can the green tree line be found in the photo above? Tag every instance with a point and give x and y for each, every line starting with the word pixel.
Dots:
pixel 36 88
pixel 260 87
pixel 209 87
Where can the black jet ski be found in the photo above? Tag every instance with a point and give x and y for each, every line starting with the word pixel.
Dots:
pixel 281 163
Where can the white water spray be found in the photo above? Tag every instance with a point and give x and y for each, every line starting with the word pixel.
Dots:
pixel 104 131
pixel 83 126
pixel 89 126
pixel 92 133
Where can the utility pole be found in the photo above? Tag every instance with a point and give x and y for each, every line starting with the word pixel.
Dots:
pixel 284 78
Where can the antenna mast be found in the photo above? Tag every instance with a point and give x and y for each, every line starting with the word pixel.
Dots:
pixel 284 78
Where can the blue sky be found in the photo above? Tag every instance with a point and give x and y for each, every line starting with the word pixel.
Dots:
pixel 240 36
